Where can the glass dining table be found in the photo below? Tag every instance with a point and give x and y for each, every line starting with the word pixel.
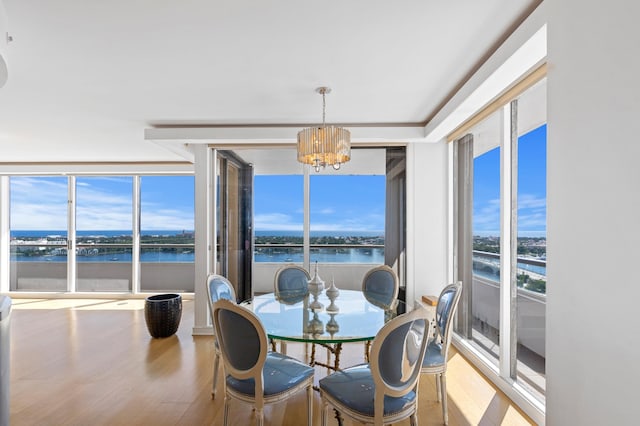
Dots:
pixel 317 319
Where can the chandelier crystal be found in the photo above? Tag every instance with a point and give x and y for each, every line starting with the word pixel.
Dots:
pixel 326 145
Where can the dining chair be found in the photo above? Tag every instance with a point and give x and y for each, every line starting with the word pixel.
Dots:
pixel 291 281
pixel 218 287
pixel 290 285
pixel 255 375
pixel 380 288
pixel 435 359
pixel 385 390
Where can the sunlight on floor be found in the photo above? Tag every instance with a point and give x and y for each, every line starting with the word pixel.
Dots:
pixel 82 304
pixel 481 402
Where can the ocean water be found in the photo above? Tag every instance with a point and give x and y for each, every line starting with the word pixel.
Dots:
pixel 325 255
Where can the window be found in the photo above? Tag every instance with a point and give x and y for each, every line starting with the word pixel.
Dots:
pixel 166 233
pixel 104 233
pixel 347 218
pixel 346 213
pixel 501 235
pixel 80 233
pixel 278 218
pixel 38 221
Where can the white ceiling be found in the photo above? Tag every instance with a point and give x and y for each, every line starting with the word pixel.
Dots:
pixel 86 78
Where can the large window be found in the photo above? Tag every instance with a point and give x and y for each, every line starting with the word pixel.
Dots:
pixel 501 228
pixel 166 232
pixel 346 215
pixel 278 218
pixel 104 233
pixel 81 233
pixel 347 218
pixel 38 221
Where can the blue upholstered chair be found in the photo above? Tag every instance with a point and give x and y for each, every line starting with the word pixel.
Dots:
pixel 291 282
pixel 290 285
pixel 384 390
pixel 435 360
pixel 255 375
pixel 380 287
pixel 218 287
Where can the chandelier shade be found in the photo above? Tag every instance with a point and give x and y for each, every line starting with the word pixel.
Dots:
pixel 326 145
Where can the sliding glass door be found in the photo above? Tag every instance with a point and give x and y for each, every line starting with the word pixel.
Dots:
pixel 500 234
pixel 234 231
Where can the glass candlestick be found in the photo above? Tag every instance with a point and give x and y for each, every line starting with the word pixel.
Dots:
pixel 333 293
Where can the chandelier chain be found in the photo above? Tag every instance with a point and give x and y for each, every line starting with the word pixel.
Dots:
pixel 324 107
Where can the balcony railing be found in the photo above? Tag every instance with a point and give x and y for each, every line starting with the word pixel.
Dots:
pixel 531 312
pixel 102 267
pixel 531 272
pixel 323 253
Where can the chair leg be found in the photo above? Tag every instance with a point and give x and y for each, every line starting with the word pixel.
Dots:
pixel 310 405
pixel 216 362
pixel 259 417
pixel 283 347
pixel 445 414
pixel 413 419
pixel 438 387
pixel 226 411
pixel 325 412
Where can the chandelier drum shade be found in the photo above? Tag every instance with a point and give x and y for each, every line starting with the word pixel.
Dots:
pixel 326 145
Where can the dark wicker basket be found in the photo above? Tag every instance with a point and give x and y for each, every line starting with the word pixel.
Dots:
pixel 163 313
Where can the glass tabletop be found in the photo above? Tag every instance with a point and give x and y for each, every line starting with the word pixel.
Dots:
pixel 306 318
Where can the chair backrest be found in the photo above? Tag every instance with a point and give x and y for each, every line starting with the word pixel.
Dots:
pixel 380 286
pixel 397 353
pixel 291 282
pixel 218 287
pixel 243 342
pixel 445 311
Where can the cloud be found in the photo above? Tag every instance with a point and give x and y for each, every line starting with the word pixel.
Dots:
pixel 531 214
pixel 41 204
pixel 276 222
pixel 528 201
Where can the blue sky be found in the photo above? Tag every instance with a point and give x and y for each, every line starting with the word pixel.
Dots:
pixel 337 203
pixel 532 191
pixel 102 203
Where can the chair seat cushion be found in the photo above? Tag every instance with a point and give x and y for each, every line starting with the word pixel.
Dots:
pixel 280 373
pixel 354 388
pixel 433 356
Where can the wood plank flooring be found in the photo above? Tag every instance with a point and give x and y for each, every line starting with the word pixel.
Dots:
pixel 92 362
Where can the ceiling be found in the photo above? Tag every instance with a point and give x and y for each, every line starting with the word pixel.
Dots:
pixel 86 78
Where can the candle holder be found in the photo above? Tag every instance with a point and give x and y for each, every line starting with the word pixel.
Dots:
pixel 316 285
pixel 332 293
pixel 332 326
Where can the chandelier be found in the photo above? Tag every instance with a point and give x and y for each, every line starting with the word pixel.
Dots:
pixel 326 145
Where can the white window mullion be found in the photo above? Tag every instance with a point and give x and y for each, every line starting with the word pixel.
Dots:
pixel 306 239
pixel 71 235
pixel 5 233
pixel 505 241
pixel 512 288
pixel 135 247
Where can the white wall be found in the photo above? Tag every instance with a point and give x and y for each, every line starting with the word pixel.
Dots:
pixel 593 349
pixel 427 218
pixel 348 276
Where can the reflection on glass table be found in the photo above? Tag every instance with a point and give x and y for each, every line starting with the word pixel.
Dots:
pixel 351 318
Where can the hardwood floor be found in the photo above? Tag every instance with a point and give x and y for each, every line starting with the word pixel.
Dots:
pixel 92 362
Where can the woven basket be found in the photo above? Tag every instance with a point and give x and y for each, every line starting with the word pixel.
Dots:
pixel 163 313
